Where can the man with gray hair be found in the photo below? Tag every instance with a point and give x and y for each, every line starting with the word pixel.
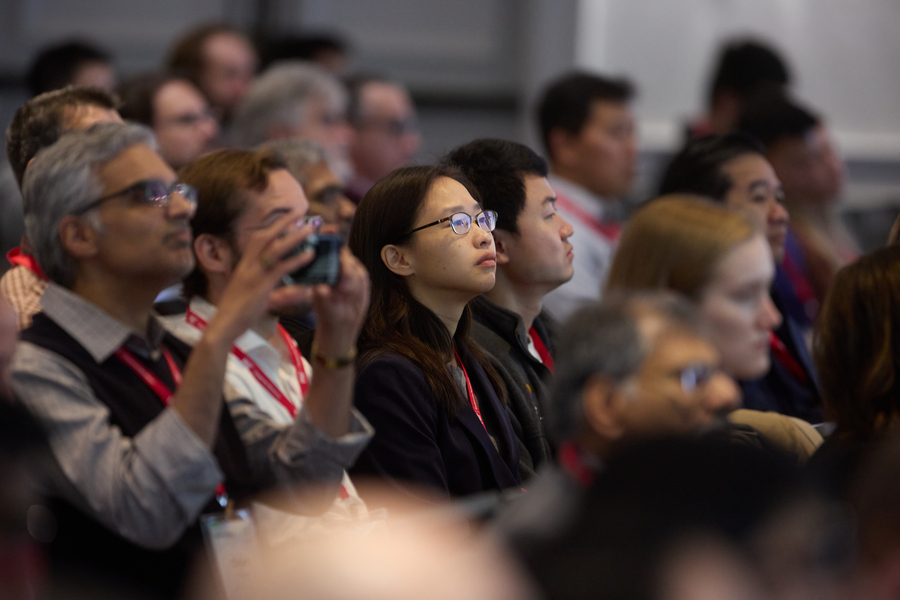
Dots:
pixel 297 100
pixel 633 366
pixel 307 162
pixel 141 435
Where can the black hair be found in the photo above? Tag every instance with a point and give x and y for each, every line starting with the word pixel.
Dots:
pixel 299 47
pixel 566 103
pixel 745 67
pixel 773 117
pixel 697 168
pixel 56 66
pixel 497 169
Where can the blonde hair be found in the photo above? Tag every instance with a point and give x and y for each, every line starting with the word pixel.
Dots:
pixel 675 242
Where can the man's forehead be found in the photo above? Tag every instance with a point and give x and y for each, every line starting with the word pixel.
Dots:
pixel 135 163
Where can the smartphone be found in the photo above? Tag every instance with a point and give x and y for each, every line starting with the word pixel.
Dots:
pixel 325 267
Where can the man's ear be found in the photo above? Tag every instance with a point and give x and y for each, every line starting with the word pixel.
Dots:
pixel 501 245
pixel 214 255
pixel 78 237
pixel 602 401
pixel 397 260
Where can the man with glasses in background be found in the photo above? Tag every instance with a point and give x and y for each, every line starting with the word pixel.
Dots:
pixel 175 110
pixel 140 434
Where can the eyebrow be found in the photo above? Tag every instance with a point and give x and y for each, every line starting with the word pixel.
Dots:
pixel 274 215
pixel 548 200
pixel 758 184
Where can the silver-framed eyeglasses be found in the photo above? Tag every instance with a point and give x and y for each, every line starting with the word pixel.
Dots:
pixel 150 191
pixel 461 222
pixel 696 376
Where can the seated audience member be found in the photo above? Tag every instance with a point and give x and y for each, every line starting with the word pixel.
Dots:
pixel 141 434
pixel 633 366
pixel 732 169
pixel 220 60
pixel 307 162
pixel 71 63
pixel 534 257
pixel 328 50
pixel 37 124
pixel 745 68
pixel 799 148
pixel 239 192
pixel 175 110
pixel 719 259
pixel 297 100
pixel 856 349
pixel 587 128
pixel 387 135
pixel 431 393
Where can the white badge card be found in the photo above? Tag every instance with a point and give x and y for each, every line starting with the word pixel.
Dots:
pixel 232 541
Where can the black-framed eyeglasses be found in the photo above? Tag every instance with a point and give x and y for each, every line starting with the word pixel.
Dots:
pixel 151 191
pixel 461 222
pixel 696 376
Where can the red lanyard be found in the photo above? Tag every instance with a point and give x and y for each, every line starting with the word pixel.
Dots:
pixel 472 399
pixel 542 350
pixel 15 257
pixel 197 321
pixel 782 355
pixel 572 461
pixel 162 390
pixel 608 230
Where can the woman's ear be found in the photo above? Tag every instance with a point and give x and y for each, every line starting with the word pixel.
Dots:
pixel 78 237
pixel 397 260
pixel 214 255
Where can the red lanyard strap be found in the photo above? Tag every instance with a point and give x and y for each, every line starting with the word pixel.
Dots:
pixel 15 257
pixel 542 350
pixel 469 389
pixel 273 390
pixel 610 231
pixel 783 356
pixel 162 391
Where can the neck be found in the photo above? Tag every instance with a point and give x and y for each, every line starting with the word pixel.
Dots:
pixel 524 300
pixel 448 310
pixel 128 302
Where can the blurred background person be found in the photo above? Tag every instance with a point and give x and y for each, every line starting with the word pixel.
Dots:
pixel 298 100
pixel 328 50
pixel 387 134
pixel 799 148
pixel 588 130
pixel 71 63
pixel 37 124
pixel 308 163
pixel 175 110
pixel 744 69
pixel 719 259
pixel 732 169
pixel 220 60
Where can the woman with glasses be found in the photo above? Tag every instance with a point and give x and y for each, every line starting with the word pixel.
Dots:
pixel 436 403
pixel 722 261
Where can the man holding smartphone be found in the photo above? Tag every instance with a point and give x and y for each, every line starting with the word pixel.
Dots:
pixel 240 192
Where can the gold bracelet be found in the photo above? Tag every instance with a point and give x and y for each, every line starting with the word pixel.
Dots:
pixel 334 362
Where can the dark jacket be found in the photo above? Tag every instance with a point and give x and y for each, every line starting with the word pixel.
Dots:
pixel 417 442
pixel 502 334
pixel 780 390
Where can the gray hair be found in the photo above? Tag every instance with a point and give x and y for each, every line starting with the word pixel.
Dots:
pixel 605 339
pixel 298 155
pixel 280 97
pixel 62 180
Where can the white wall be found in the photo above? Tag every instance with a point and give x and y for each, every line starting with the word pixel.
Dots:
pixel 845 55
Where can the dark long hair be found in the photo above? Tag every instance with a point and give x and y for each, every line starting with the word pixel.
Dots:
pixel 857 345
pixel 396 321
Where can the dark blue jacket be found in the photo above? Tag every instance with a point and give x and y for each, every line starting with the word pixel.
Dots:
pixel 417 442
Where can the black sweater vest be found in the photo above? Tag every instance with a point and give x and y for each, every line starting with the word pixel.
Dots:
pixel 82 545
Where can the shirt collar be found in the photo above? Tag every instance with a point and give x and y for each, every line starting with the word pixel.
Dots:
pixel 247 341
pixel 591 203
pixel 96 330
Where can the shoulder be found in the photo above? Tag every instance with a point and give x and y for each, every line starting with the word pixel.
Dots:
pixel 389 369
